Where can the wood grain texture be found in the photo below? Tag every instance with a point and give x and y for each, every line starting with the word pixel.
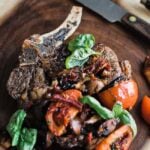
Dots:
pixel 40 16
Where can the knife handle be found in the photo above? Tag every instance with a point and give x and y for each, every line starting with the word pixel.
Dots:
pixel 137 24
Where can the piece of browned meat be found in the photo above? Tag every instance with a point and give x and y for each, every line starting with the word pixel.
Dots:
pixel 97 73
pixel 48 49
pixel 27 83
pixel 42 55
pixel 38 85
pixel 126 69
pixel 146 70
pixel 104 130
pixel 117 68
pixel 19 81
pixel 46 55
pixel 25 78
pixel 107 127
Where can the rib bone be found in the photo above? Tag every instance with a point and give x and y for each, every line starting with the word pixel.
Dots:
pixel 44 47
pixel 69 26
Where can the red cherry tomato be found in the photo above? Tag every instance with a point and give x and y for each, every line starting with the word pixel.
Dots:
pixel 124 91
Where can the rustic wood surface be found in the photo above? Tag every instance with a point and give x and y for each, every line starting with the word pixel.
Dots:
pixel 40 16
pixel 7 8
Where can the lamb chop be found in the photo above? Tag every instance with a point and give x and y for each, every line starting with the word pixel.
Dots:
pixel 44 48
pixel 117 68
pixel 41 54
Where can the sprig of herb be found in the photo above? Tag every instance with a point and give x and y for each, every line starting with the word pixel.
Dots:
pixel 15 124
pixel 24 138
pixel 80 49
pixel 117 112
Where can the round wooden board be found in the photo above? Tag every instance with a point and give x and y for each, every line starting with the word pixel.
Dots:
pixel 40 16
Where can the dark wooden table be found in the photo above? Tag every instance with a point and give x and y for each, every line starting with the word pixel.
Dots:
pixel 40 16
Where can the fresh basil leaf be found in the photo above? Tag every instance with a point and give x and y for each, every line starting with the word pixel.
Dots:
pixel 71 62
pixel 126 118
pixel 15 124
pixel 82 40
pixel 83 53
pixel 103 112
pixel 117 112
pixel 28 139
pixel 117 109
pixel 79 57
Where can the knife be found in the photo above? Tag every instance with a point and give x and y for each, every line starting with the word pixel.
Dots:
pixel 114 13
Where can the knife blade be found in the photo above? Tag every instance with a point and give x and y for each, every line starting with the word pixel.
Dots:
pixel 114 13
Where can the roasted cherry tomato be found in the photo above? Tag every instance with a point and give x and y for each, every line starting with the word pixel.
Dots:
pixel 146 109
pixel 73 94
pixel 124 91
pixel 119 139
pixel 60 113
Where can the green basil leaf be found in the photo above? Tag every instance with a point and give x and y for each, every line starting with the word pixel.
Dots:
pixel 83 53
pixel 117 112
pixel 126 118
pixel 71 62
pixel 28 139
pixel 79 57
pixel 103 112
pixel 15 124
pixel 117 109
pixel 82 40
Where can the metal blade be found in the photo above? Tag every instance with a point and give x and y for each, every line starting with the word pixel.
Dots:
pixel 106 8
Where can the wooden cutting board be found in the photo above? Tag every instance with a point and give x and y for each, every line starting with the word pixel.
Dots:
pixel 38 16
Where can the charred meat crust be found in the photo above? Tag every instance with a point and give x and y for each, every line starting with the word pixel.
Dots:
pixel 49 57
pixel 107 127
pixel 19 81
pixel 109 55
pixel 28 80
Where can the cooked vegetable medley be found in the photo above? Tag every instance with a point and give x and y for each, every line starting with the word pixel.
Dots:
pixel 82 106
